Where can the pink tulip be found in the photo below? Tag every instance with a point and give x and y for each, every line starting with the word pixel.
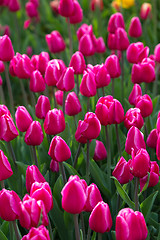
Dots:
pixel 135 140
pixel 102 76
pixel 37 83
pixel 66 80
pixel 88 84
pixel 23 118
pixel 54 166
pixel 73 195
pixel 72 104
pixel 8 130
pixel 42 62
pixel 145 11
pixel 134 51
pixel 59 97
pixel 4 110
pixel 158 122
pixel 59 150
pixel 78 62
pixel 34 134
pixel 157 53
pixel 41 233
pixel 86 45
pixel 113 66
pixel 158 147
pixel 100 219
pixel 122 171
pixel 9 205
pixel 152 139
pixel 96 4
pixel 84 29
pixel 135 28
pixel 130 225
pixel 144 103
pixel 42 107
pixel 5 167
pixel 14 5
pixel 116 20
pixel 100 45
pixel 31 10
pixel 29 51
pixel 136 91
pixel 54 122
pixel 6 49
pixel 112 43
pixel 77 14
pixel 66 8
pixel 122 41
pixel 2 67
pixel 133 117
pixel 55 42
pixel 100 152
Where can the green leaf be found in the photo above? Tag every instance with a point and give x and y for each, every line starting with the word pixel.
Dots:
pixel 147 204
pixel 5 227
pixel 145 186
pixel 94 236
pixel 2 236
pixel 70 169
pixel 123 194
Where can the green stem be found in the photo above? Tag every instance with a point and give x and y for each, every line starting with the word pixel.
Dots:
pixel 118 140
pixel 136 194
pixel 77 84
pixel 89 233
pixel 75 122
pixel 77 155
pixel 113 87
pixel 23 93
pixel 154 4
pixel 82 224
pixel 87 163
pixel 108 157
pixel 11 151
pixel 88 103
pixel 11 231
pixel 9 89
pixel 70 38
pixel 99 236
pixel 76 226
pixel 2 95
pixel 50 229
pixel 16 230
pixel 2 184
pixel 35 155
pixel 54 97
pixel 122 77
pixel 103 91
pixel 63 172
pixel 64 97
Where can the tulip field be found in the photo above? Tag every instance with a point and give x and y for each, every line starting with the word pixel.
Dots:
pixel 79 119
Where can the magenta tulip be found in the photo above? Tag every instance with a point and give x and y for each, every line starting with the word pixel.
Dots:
pixel 40 233
pixel 6 49
pixel 72 104
pixel 136 91
pixel 100 152
pixel 42 62
pixel 37 83
pixel 55 42
pixel 144 103
pixel 116 20
pixel 152 139
pixel 5 167
pixel 78 63
pixel 77 14
pixel 66 8
pixel 135 28
pixel 23 118
pixel 34 134
pixel 42 107
pixel 133 117
pixel 88 84
pixel 66 80
pixel 113 66
pixel 122 41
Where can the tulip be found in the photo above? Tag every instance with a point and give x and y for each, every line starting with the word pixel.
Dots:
pixel 88 84
pixel 130 225
pixel 100 46
pixel 29 50
pixel 136 91
pixel 54 6
pixel 42 107
pixel 145 11
pixel 118 4
pixel 37 83
pixel 77 14
pixel 134 51
pixel 4 110
pixel 100 152
pixel 23 118
pixel 32 212
pixel 8 130
pixel 102 76
pixel 116 20
pixel 93 197
pixel 66 8
pixel 73 195
pixel 86 45
pixel 59 97
pixel 72 104
pixel 42 62
pixel 100 219
pixel 144 103
pixel 9 205
pixel 158 122
pixel 14 6
pixel 54 122
pixel 152 139
pixel 34 134
pixel 77 62
pixel 31 10
pixel 66 80
pixel 40 233
pixel 133 117
pixel 6 49
pixel 157 53
pixel 122 39
pixel 54 166
pixel 158 147
pixel 113 66
pixel 96 4
pixel 135 28
pixel 84 29
pixel 122 171
pixel 2 67
pixel 5 167
pixel 112 41
pixel 42 191
pixel 140 163
pixel 55 42
pixel 135 140
pixel 59 150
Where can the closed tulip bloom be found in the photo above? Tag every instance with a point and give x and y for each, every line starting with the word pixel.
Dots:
pixel 148 70
pixel 93 197
pixel 77 14
pixel 102 76
pixel 72 104
pixel 152 139
pixel 136 91
pixel 145 11
pixel 9 205
pixel 130 225
pixel 14 5
pixel 135 28
pixel 100 152
pixel 54 122
pixel 55 42
pixel 144 54
pixel 53 72
pixel 116 20
pixel 4 110
pixel 1 81
pixel 8 130
pixel 23 119
pixel 88 84
pixel 41 233
pixel 144 103
pixel 84 29
pixel 42 191
pixel 37 83
pixel 86 45
pixel 158 122
pixel 135 140
pixel 157 53
pixel 73 196
pixel 78 62
pixel 2 67
pixel 111 42
pixel 133 52
pixel 54 166
pixel 59 150
pixel 100 45
pixel 34 134
pixel 122 39
pixel 6 49
pixel 31 9
pixel 32 212
pixel 59 97
pixel 42 62
pixel 100 219
pixel 113 66
pixel 42 107
pixel 158 147
pixel 96 4
pixel 140 163
pixel 5 167
pixel 33 175
pixel 66 81
pixel 133 117
pixel 66 8
pixel 122 171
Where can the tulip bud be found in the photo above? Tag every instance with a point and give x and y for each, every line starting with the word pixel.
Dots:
pixel 41 233
pixel 152 139
pixel 34 134
pixel 4 110
pixel 73 189
pixel 66 80
pixel 93 197
pixel 1 81
pixel 100 219
pixel 129 224
pixel 84 29
pixel 14 5
pixel 54 6
pixel 77 14
pixel 6 49
pixel 72 104
pixel 42 191
pixel 66 8
pixel 102 76
pixel 29 50
pixel 112 41
pixel 9 205
pixel 31 10
pixel 86 45
pixel 100 152
pixel 145 11
pixel 42 62
pixel 37 83
pixel 116 20
pixel 135 140
pixel 54 166
pixel 133 117
pixel 59 150
pixel 55 42
pixel 157 53
pixel 33 175
pixel 113 66
pixel 5 167
pixel 122 41
pixel 23 119
pixel 42 107
pixel 2 67
pixel 144 103
pixel 100 45
pixel 54 122
pixel 133 52
pixel 135 28
pixel 88 84
pixel 8 130
pixel 78 62
pixel 158 147
pixel 59 97
pixel 136 91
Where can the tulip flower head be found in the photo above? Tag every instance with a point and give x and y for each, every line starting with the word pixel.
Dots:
pixel 100 152
pixel 40 233
pixel 23 118
pixel 34 134
pixel 145 11
pixel 135 28
pixel 6 49
pixel 5 167
pixel 42 107
pixel 133 117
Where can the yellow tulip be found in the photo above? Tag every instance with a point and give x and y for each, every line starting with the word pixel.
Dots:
pixel 124 3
